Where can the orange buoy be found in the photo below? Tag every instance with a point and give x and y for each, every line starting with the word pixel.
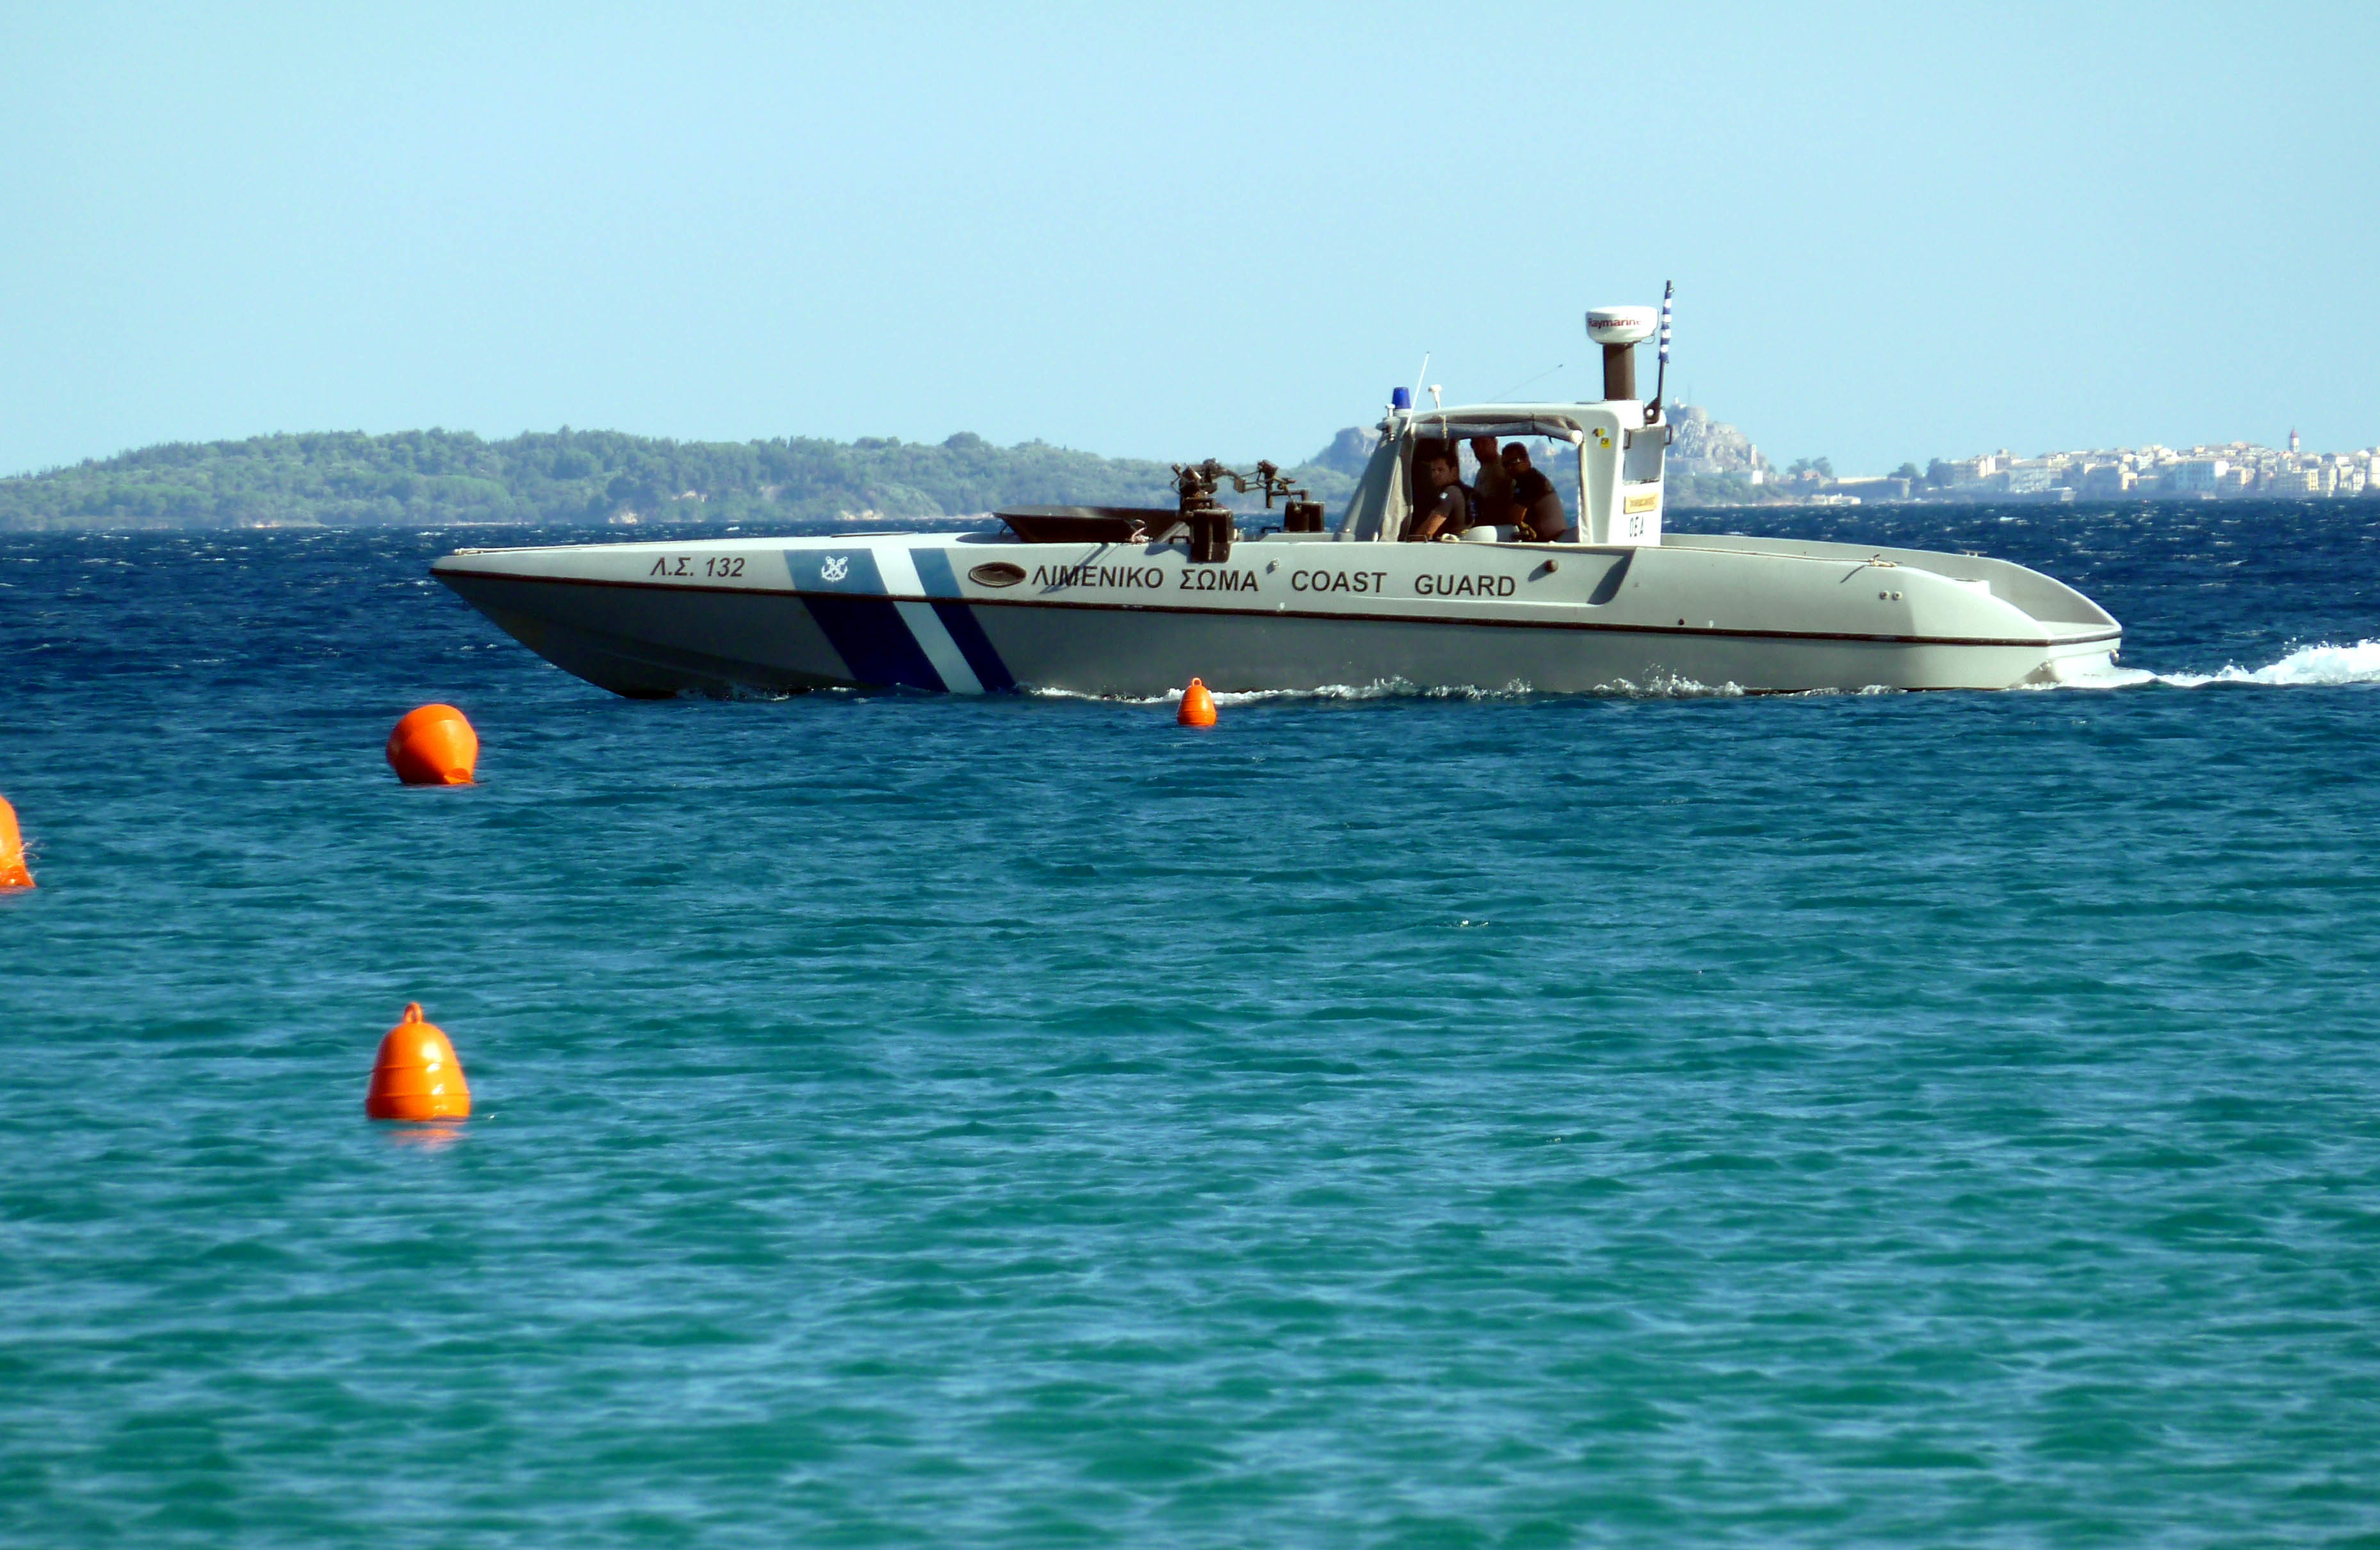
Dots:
pixel 417 1076
pixel 434 746
pixel 13 873
pixel 1197 705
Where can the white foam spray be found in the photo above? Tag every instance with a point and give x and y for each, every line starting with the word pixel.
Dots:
pixel 2307 666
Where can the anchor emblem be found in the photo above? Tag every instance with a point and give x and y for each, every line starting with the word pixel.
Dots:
pixel 834 567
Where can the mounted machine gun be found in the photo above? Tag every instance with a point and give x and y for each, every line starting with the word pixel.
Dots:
pixel 1211 529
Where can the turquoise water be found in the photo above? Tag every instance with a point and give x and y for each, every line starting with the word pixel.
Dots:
pixel 1843 1120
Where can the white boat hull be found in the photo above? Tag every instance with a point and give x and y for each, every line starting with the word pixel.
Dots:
pixel 930 613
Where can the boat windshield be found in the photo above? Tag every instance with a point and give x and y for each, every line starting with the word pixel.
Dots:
pixel 1394 485
pixel 1492 470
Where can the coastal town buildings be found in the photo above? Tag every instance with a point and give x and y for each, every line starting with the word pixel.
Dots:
pixel 2202 472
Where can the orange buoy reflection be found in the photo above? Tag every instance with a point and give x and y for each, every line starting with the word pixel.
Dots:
pixel 417 1076
pixel 431 1137
pixel 434 746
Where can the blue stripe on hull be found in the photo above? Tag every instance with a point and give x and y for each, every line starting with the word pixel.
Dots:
pixel 967 633
pixel 870 636
pixel 934 573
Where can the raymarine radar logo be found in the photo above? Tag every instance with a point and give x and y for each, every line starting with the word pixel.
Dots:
pixel 834 567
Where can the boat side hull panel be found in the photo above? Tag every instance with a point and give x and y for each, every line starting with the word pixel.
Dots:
pixel 653 641
pixel 1139 655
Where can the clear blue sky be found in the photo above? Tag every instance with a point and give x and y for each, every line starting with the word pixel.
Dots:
pixel 1896 230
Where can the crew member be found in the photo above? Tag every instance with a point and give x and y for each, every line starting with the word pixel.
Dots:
pixel 1491 492
pixel 1537 505
pixel 1444 508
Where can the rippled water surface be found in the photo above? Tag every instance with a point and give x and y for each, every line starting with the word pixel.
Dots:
pixel 1838 1120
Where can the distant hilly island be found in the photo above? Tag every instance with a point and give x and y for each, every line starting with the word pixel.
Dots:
pixel 428 479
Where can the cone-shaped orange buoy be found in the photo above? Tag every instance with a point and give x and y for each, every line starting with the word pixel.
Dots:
pixel 13 873
pixel 1197 705
pixel 434 747
pixel 417 1076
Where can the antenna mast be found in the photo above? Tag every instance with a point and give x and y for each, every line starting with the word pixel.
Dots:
pixel 1661 375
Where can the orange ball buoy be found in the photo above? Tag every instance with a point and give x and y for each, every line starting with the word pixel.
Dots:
pixel 434 747
pixel 1197 705
pixel 13 872
pixel 417 1076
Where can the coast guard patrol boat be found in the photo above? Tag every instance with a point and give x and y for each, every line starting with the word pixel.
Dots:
pixel 1132 602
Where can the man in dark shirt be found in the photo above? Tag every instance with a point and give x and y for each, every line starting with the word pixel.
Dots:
pixel 1537 505
pixel 1444 508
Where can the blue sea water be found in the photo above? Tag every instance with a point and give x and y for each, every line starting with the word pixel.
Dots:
pixel 1384 1120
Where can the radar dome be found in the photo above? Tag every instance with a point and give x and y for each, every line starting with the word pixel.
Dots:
pixel 1622 325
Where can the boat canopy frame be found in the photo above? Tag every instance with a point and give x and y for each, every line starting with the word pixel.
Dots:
pixel 1382 503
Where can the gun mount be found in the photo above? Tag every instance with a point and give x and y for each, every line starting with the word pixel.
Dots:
pixel 1211 529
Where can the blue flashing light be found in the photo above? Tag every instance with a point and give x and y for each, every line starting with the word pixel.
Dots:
pixel 1401 398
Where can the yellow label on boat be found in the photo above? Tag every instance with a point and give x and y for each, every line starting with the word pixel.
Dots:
pixel 1643 503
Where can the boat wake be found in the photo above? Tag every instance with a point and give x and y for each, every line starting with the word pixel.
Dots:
pixel 1618 688
pixel 2307 665
pixel 1389 689
pixel 1399 688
